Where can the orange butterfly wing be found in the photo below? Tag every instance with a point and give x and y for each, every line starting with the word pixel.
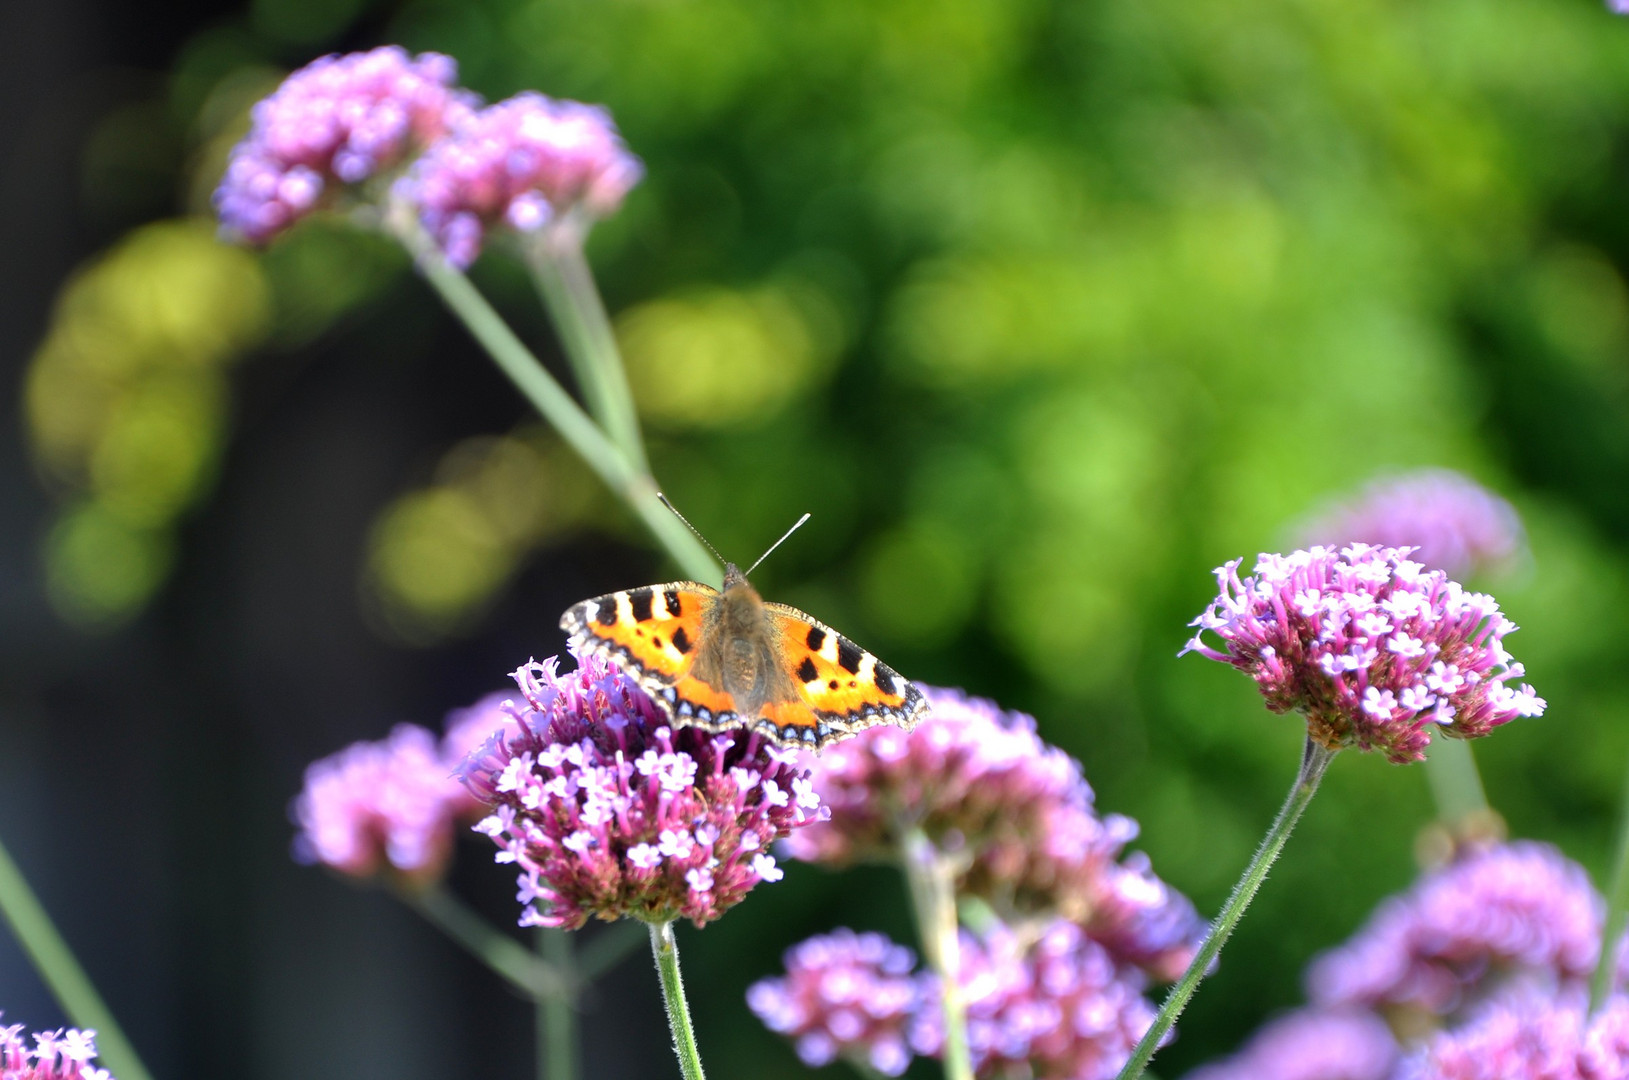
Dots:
pixel 842 689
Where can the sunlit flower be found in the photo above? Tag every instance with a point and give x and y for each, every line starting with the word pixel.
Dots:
pixel 844 995
pixel 64 1054
pixel 1057 1009
pixel 1530 1038
pixel 1015 813
pixel 1370 646
pixel 1454 524
pixel 607 810
pixel 1312 1044
pixel 338 121
pixel 525 164
pixel 1517 914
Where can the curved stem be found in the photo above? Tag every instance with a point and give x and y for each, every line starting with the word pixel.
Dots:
pixel 1314 760
pixel 933 898
pixel 503 954
pixel 62 974
pixel 1617 906
pixel 573 300
pixel 666 951
pixel 631 483
pixel 556 1018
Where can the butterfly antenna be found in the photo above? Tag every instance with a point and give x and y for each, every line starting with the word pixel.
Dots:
pixel 697 531
pixel 779 542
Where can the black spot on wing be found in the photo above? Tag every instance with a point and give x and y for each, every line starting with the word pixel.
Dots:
pixel 885 681
pixel 671 599
pixel 607 615
pixel 848 655
pixel 817 638
pixel 681 640
pixel 807 671
pixel 640 601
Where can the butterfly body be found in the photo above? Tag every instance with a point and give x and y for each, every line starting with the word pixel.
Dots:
pixel 726 660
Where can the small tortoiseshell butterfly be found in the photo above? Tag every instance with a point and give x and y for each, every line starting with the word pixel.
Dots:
pixel 725 660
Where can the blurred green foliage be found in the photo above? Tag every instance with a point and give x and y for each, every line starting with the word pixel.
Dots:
pixel 1044 309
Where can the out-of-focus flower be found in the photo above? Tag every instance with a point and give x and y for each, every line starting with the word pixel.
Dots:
pixel 338 121
pixel 1058 1009
pixel 1520 914
pixel 844 995
pixel 527 164
pixel 394 806
pixel 1454 524
pixel 1312 1044
pixel 1530 1038
pixel 378 806
pixel 57 1055
pixel 1370 646
pixel 1016 813
pixel 609 811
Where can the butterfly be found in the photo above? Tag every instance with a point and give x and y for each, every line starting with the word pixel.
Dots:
pixel 727 660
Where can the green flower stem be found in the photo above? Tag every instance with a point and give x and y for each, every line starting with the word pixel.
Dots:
pixel 1617 906
pixel 1456 786
pixel 1314 760
pixel 933 897
pixel 556 1014
pixel 62 974
pixel 631 483
pixel 573 300
pixel 666 951
pixel 507 957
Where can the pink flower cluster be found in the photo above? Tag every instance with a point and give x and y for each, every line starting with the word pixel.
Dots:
pixel 1519 912
pixel 1053 1008
pixel 393 806
pixel 57 1055
pixel 1454 524
pixel 523 163
pixel 1014 811
pixel 609 811
pixel 1312 1044
pixel 845 995
pixel 1539 1038
pixel 1370 646
pixel 339 119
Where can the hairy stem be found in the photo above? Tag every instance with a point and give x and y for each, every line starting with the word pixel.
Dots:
pixel 1314 760
pixel 556 1013
pixel 61 972
pixel 666 951
pixel 933 898
pixel 1456 786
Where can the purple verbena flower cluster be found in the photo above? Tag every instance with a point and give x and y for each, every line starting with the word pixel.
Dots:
pixel 1018 815
pixel 531 164
pixel 338 120
pixel 393 806
pixel 845 995
pixel 525 163
pixel 1530 1038
pixel 1312 1044
pixel 609 811
pixel 1370 646
pixel 57 1055
pixel 1453 523
pixel 1517 913
pixel 1478 972
pixel 1054 1008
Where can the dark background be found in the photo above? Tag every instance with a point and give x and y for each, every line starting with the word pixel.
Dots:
pixel 1042 309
